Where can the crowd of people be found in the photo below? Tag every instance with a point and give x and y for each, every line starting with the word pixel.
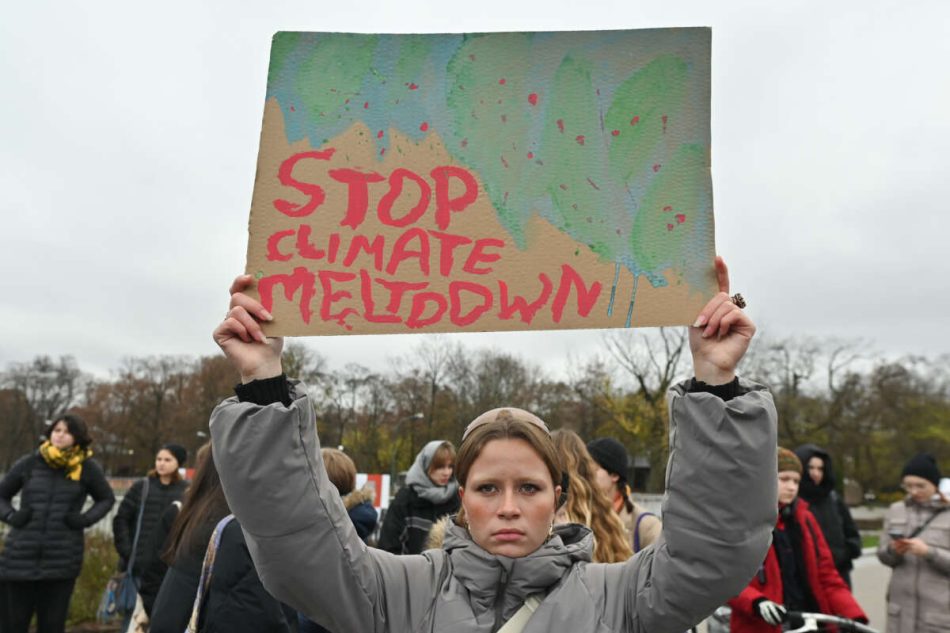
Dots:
pixel 517 529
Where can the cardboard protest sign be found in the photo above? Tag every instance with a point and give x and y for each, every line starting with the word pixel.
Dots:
pixel 505 181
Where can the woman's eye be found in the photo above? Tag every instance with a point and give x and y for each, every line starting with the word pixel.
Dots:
pixel 487 488
pixel 529 489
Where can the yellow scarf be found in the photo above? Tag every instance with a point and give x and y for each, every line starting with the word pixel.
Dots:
pixel 70 459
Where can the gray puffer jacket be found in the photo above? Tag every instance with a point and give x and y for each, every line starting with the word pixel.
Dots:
pixel 718 516
pixel 918 596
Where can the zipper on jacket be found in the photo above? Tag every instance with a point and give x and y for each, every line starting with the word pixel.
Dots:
pixel 500 600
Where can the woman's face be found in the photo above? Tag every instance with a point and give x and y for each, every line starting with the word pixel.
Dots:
pixel 509 498
pixel 165 463
pixel 60 437
pixel 816 469
pixel 606 482
pixel 788 481
pixel 920 490
pixel 441 474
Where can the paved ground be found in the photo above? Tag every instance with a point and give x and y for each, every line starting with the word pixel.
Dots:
pixel 869 580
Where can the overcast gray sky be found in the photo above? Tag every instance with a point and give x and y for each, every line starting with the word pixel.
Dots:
pixel 129 136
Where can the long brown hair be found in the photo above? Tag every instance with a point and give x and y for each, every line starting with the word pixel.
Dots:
pixel 586 503
pixel 204 505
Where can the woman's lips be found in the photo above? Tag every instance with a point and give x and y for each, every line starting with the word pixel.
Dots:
pixel 508 535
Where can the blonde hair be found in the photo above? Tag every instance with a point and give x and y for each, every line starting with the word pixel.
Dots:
pixel 586 503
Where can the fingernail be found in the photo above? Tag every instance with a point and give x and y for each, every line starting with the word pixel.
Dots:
pixel 700 320
pixel 260 337
pixel 267 316
pixel 707 332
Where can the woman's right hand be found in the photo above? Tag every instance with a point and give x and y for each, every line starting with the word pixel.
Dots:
pixel 242 339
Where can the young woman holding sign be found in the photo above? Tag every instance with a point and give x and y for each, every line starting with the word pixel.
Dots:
pixel 504 564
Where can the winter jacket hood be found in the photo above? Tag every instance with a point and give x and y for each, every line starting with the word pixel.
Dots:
pixel 362 513
pixel 481 572
pixel 809 490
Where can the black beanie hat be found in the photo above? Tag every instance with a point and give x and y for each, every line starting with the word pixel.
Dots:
pixel 179 451
pixel 611 455
pixel 923 465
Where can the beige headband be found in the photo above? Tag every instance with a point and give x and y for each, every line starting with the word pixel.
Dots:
pixel 505 414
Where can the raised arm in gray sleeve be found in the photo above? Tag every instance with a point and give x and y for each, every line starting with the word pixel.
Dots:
pixel 303 544
pixel 718 513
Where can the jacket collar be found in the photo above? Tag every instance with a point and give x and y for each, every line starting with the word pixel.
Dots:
pixel 484 575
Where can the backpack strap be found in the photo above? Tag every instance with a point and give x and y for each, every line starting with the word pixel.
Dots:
pixel 519 620
pixel 923 526
pixel 138 530
pixel 636 530
pixel 204 581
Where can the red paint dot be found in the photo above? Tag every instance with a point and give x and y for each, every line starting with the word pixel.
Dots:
pixel 413 87
pixel 560 125
pixel 379 134
pixel 530 154
pixel 293 109
pixel 424 126
pixel 580 139
pixel 634 120
pixel 382 151
pixel 656 167
pixel 533 98
pixel 616 132
pixel 664 122
pixel 669 227
pixel 667 208
pixel 366 105
pixel 347 101
pixel 680 218
pixel 501 81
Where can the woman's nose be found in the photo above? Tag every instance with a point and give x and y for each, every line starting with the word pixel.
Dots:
pixel 509 504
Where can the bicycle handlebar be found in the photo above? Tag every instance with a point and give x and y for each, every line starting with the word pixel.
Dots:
pixel 811 621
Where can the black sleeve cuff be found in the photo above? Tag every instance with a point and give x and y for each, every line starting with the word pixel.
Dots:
pixel 725 392
pixel 266 391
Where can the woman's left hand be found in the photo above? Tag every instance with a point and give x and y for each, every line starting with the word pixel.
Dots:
pixel 917 547
pixel 720 336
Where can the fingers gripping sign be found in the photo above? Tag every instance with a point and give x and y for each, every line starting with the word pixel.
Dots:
pixel 242 339
pixel 721 334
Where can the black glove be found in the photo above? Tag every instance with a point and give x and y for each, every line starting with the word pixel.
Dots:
pixel 19 518
pixel 75 520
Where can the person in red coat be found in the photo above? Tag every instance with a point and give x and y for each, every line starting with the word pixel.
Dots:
pixel 799 572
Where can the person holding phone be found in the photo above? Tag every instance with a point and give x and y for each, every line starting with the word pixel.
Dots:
pixel 916 546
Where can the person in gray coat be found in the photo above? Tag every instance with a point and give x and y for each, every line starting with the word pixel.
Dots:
pixel 915 544
pixel 503 562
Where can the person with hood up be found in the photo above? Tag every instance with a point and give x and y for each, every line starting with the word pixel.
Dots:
pixel 834 517
pixel 643 527
pixel 504 563
pixel 430 493
pixel 915 544
pixel 165 486
pixel 799 572
pixel 42 555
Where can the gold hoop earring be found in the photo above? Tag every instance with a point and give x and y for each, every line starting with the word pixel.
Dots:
pixel 551 530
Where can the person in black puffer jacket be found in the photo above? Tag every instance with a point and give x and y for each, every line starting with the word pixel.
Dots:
pixel 818 489
pixel 430 493
pixel 43 553
pixel 236 601
pixel 165 486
